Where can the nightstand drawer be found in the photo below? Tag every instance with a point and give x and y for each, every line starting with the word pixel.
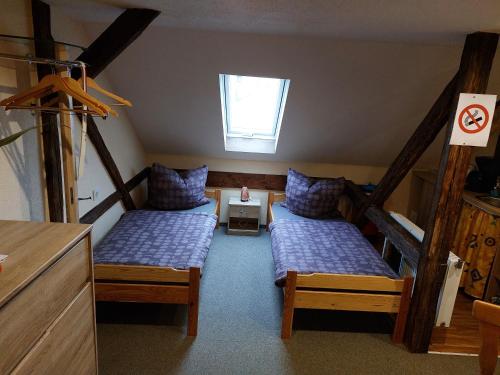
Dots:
pixel 242 211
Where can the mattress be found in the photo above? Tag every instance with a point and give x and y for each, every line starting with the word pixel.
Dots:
pixel 323 246
pixel 158 238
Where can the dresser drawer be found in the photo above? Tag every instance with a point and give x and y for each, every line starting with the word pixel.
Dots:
pixel 244 211
pixel 68 346
pixel 25 318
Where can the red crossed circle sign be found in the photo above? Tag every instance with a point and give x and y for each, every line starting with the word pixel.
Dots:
pixel 473 118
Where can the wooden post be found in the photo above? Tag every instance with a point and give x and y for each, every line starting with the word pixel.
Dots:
pixel 193 301
pixel 44 47
pixel 475 66
pixel 68 160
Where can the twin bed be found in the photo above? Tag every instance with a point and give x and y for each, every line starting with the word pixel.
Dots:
pixel 157 257
pixel 328 264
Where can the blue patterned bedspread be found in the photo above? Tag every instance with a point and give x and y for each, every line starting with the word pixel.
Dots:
pixel 158 238
pixel 323 246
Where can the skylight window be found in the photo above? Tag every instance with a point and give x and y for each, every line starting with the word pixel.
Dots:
pixel 252 110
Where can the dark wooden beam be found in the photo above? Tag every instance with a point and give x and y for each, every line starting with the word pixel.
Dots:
pixel 403 240
pixel 109 163
pixel 99 210
pixel 115 39
pixel 474 72
pixel 421 139
pixel 44 47
pixel 250 180
pixel 95 213
pixel 138 178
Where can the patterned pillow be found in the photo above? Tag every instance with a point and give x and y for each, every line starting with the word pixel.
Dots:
pixel 170 190
pixel 308 197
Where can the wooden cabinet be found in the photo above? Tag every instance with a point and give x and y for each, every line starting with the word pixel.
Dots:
pixel 47 309
pixel 244 217
pixel 477 240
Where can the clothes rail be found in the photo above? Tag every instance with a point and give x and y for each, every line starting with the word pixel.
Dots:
pixel 68 65
pixel 40 60
pixel 28 38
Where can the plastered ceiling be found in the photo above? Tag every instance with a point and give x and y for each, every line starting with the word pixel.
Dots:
pixel 430 20
pixel 363 74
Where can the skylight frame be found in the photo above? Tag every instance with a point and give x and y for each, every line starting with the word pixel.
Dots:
pixel 249 142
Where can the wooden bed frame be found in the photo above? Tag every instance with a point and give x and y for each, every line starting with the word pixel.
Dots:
pixel 128 283
pixel 343 292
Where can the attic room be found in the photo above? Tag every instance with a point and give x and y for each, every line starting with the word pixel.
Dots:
pixel 249 187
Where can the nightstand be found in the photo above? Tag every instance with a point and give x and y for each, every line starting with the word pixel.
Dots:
pixel 244 217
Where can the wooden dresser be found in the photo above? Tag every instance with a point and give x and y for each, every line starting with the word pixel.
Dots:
pixel 47 309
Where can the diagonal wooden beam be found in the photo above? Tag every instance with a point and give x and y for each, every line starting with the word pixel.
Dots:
pixel 99 210
pixel 116 38
pixel 44 47
pixel 473 75
pixel 109 163
pixel 421 139
pixel 403 240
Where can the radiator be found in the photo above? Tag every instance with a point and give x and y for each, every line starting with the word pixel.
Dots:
pixel 448 292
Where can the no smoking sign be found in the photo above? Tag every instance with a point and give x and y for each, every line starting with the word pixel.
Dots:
pixel 473 119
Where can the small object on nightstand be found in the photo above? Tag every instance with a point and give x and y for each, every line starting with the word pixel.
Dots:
pixel 244 217
pixel 245 195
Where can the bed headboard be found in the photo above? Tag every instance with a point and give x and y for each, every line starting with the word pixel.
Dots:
pixel 344 205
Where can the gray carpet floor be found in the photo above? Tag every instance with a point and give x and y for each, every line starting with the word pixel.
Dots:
pixel 239 328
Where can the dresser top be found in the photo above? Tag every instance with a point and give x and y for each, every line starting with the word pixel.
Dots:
pixel 472 198
pixel 235 201
pixel 31 248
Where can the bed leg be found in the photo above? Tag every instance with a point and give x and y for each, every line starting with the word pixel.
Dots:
pixel 404 307
pixel 270 200
pixel 218 195
pixel 288 304
pixel 193 300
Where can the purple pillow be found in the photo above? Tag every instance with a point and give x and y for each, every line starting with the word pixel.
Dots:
pixel 170 190
pixel 309 197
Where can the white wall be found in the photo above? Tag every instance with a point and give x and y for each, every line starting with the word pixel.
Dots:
pixel 21 196
pixel 360 174
pixel 21 183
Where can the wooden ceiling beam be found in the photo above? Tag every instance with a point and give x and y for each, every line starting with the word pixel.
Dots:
pixel 109 163
pixel 421 139
pixel 475 66
pixel 44 47
pixel 114 40
pixel 399 236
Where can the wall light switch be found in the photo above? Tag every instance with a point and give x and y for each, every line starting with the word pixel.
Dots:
pixel 95 194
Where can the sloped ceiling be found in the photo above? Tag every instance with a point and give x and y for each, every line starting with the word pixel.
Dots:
pixel 357 91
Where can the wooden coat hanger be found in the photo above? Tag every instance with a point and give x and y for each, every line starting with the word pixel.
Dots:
pixel 94 85
pixel 53 83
